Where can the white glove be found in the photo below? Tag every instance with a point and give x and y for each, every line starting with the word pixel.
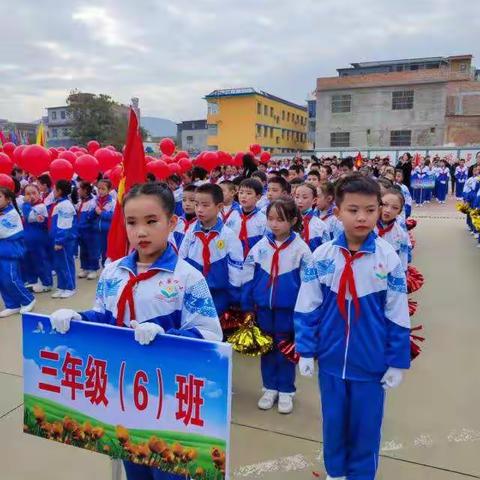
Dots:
pixel 145 332
pixel 306 366
pixel 60 320
pixel 393 378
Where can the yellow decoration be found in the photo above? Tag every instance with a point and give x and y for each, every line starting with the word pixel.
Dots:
pixel 250 340
pixel 463 207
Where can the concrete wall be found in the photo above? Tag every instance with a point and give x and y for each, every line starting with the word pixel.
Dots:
pixel 199 141
pixel 371 108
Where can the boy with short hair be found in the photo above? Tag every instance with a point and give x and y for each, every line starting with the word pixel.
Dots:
pixel 186 220
pixel 213 249
pixel 251 223
pixel 231 208
pixel 352 314
pixel 277 187
pixel 313 178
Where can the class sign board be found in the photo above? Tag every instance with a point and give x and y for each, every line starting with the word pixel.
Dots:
pixel 165 405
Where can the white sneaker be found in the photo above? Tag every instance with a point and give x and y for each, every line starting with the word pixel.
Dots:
pixel 30 285
pixel 82 274
pixel 29 307
pixel 267 400
pixel 335 478
pixel 285 403
pixel 67 293
pixel 39 288
pixel 8 312
pixel 57 294
pixel 92 275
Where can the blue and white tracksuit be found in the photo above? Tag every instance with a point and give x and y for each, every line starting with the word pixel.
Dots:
pixel 272 293
pixel 334 225
pixel 408 199
pixel 255 223
pixel 419 181
pixel 224 272
pixel 176 298
pixel 398 238
pixel 441 182
pixel 469 194
pixel 63 232
pixel 178 234
pixel 103 223
pixel 461 175
pixel 356 338
pixel 315 232
pixel 178 196
pixel 12 251
pixel 38 253
pixel 230 215
pixel 88 239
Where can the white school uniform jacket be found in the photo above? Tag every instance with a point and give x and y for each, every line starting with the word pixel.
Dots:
pixel 226 258
pixel 256 226
pixel 315 231
pixel 334 225
pixel 354 337
pixel 177 298
pixel 398 238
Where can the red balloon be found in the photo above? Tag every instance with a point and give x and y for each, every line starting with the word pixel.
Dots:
pixel 167 146
pixel 78 153
pixel 17 155
pixel 185 164
pixel 210 160
pixel 255 148
pixel 7 181
pixel 83 149
pixel 61 149
pixel 106 158
pixel 36 159
pixel 265 157
pixel 53 153
pixel 70 156
pixel 115 175
pixel 6 164
pixel 87 167
pixel 92 146
pixel 61 169
pixel 238 159
pixel 111 147
pixel 167 159
pixel 174 169
pixel 8 148
pixel 74 149
pixel 159 168
pixel 181 154
pixel 149 158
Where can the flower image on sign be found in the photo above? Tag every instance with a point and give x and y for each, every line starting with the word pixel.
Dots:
pixel 165 405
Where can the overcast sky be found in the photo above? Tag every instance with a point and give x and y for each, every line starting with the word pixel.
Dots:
pixel 172 53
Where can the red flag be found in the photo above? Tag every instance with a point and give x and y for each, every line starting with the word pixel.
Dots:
pixel 134 171
pixel 358 161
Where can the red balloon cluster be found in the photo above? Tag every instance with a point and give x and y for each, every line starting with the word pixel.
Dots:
pixel 255 148
pixel 35 159
pixel 61 169
pixel 107 158
pixel 167 146
pixel 265 157
pixel 87 167
pixel 6 164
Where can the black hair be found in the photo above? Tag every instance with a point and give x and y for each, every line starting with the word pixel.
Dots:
pixel 199 173
pixel 107 182
pixel 311 188
pixel 151 177
pixel 385 182
pixel 64 186
pixel 87 186
pixel 249 164
pixel 314 173
pixel 228 183
pixel 259 174
pixel 346 162
pixel 157 189
pixel 399 170
pixel 287 210
pixel 282 182
pixel 190 188
pixel 17 186
pixel 315 164
pixel 398 193
pixel 296 168
pixel 328 168
pixel 282 172
pixel 253 184
pixel 45 179
pixel 10 196
pixel 328 189
pixel 296 181
pixel 175 178
pixel 357 183
pixel 213 190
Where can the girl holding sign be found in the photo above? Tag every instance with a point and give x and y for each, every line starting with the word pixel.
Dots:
pixel 151 290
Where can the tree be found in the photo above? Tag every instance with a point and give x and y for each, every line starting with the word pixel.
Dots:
pixel 97 117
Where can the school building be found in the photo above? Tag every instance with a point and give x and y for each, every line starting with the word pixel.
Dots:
pixel 415 102
pixel 237 118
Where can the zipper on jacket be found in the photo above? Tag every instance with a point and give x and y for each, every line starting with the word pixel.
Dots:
pixel 347 341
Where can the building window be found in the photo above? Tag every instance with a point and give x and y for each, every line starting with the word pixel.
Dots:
pixel 288 134
pixel 62 114
pixel 271 132
pixel 212 129
pixel 402 100
pixel 341 103
pixel 265 110
pixel 189 139
pixel 259 108
pixel 278 140
pixel 66 132
pixel 340 139
pixel 54 115
pixel 54 132
pixel 283 114
pixel 271 111
pixel 212 108
pixel 259 130
pixel 283 133
pixel 400 138
pixel 288 116
pixel 265 131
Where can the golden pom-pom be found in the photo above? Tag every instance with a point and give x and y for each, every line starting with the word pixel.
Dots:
pixel 462 207
pixel 250 340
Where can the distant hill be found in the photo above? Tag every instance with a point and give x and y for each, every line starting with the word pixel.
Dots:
pixel 159 127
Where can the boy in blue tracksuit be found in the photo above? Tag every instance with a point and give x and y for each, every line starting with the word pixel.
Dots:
pixel 63 235
pixel 38 247
pixel 352 314
pixel 15 296
pixel 87 234
pixel 442 181
pixel 213 249
pixel 187 219
pixel 250 225
pixel 272 277
pixel 105 206
pixel 461 175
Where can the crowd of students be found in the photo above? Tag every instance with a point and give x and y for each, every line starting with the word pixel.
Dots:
pixel 293 243
pixel 471 203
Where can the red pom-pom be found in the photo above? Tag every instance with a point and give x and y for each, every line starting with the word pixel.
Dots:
pixel 415 279
pixel 412 307
pixel 411 223
pixel 287 347
pixel 415 349
pixel 232 319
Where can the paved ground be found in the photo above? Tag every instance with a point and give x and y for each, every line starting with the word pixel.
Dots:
pixel 432 424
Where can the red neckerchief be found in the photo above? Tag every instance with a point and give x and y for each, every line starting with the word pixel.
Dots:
pixel 127 295
pixel 306 227
pixel 102 201
pixel 382 231
pixel 275 267
pixel 243 236
pixel 50 213
pixel 347 282
pixel 187 223
pixel 80 207
pixel 206 238
pixel 226 216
